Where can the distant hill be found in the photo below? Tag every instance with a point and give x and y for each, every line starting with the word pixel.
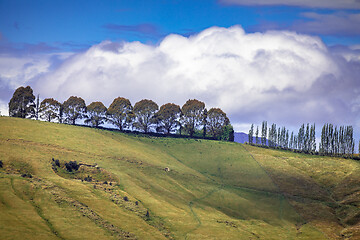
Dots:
pixel 241 137
pixel 59 181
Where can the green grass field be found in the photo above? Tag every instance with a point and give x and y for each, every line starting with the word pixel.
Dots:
pixel 214 190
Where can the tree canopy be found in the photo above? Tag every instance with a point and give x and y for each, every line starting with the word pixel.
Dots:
pixel 49 109
pixel 168 118
pixel 22 103
pixel 119 113
pixel 216 120
pixel 193 115
pixel 144 112
pixel 96 114
pixel 74 108
pixel 192 118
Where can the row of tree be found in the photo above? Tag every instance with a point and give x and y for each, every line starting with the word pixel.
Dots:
pixel 192 118
pixel 337 141
pixel 334 141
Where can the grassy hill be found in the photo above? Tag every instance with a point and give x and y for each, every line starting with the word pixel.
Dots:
pixel 214 190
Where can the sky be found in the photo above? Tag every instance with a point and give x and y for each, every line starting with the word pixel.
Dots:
pixel 284 61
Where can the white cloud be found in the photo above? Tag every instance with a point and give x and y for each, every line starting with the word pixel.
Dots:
pixel 278 76
pixel 330 4
pixel 337 23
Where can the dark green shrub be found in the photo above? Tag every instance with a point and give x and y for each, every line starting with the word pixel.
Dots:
pixel 57 162
pixel 26 175
pixel 1 164
pixel 88 178
pixel 72 165
pixel 126 199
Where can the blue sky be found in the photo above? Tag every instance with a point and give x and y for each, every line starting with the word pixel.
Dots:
pixel 81 23
pixel 284 61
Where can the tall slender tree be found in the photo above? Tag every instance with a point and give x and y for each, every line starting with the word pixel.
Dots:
pixel 264 133
pixel 37 107
pixel 251 134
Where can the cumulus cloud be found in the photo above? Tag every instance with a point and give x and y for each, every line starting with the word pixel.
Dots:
pixel 329 4
pixel 279 76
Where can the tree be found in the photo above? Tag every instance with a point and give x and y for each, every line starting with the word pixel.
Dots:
pixel 251 134
pixel 37 107
pixel 192 115
pixel 74 108
pixel 167 118
pixel 49 109
pixel 301 137
pixel 291 144
pixel 119 113
pixel 227 133
pixel 264 133
pixel 22 103
pixel 312 138
pixel 96 114
pixel 144 112
pixel 272 135
pixel 216 121
pixel 257 135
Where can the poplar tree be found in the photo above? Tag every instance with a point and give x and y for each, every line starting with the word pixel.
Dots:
pixel 287 139
pixel 257 135
pixel 300 137
pixel 272 136
pixel 251 134
pixel 291 144
pixel 312 138
pixel 279 137
pixel 264 133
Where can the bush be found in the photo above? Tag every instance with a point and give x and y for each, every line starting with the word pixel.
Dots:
pixel 57 162
pixel 88 178
pixel 26 175
pixel 126 199
pixel 1 164
pixel 68 167
pixel 136 203
pixel 72 165
pixel 105 182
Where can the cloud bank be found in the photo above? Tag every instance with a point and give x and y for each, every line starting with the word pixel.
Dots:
pixel 278 76
pixel 329 4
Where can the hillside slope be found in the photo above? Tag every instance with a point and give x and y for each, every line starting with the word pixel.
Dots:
pixel 214 190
